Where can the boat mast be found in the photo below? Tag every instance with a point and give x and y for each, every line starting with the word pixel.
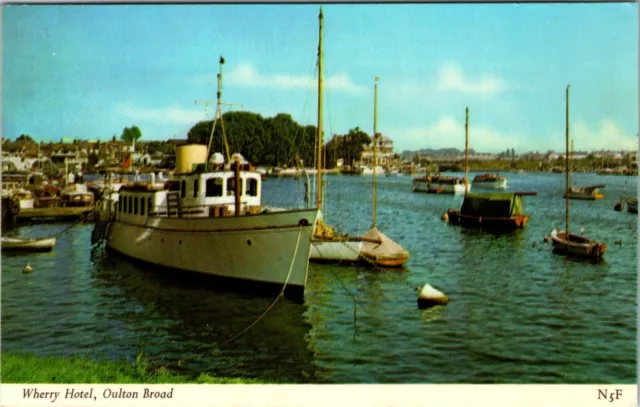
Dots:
pixel 320 83
pixel 215 119
pixel 466 150
pixel 567 168
pixel 375 145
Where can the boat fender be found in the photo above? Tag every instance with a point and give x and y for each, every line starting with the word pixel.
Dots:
pixel 429 297
pixel 27 268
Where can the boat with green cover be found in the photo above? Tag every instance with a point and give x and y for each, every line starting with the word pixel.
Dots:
pixel 499 210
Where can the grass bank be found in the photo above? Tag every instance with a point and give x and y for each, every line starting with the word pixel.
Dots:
pixel 27 368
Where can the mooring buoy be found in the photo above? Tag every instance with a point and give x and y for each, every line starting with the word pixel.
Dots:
pixel 429 297
pixel 618 242
pixel 445 217
pixel 582 231
pixel 27 268
pixel 533 244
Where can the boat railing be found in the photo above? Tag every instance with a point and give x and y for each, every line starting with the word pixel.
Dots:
pixel 210 211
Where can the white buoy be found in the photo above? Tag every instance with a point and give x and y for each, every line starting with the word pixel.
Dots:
pixel 27 268
pixel 582 231
pixel 429 296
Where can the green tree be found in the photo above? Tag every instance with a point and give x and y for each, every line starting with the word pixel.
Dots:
pixel 132 133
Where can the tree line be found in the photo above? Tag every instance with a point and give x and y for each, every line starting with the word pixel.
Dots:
pixel 276 141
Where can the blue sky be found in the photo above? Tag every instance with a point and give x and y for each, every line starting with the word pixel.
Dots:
pixel 88 71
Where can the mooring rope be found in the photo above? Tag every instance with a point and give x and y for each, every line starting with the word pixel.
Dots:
pixel 280 295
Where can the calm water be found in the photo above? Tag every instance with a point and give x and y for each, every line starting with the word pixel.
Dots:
pixel 518 313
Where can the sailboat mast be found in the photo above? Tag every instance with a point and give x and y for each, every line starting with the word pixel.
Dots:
pixel 567 169
pixel 215 118
pixel 375 144
pixel 320 83
pixel 466 149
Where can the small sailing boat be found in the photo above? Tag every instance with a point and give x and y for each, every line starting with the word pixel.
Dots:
pixel 387 253
pixel 588 192
pixel 565 242
pixel 373 247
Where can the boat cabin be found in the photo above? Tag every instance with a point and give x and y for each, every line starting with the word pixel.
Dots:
pixel 193 195
pixel 493 205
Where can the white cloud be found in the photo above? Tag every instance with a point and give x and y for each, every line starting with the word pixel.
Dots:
pixel 452 78
pixel 170 114
pixel 607 135
pixel 246 75
pixel 449 133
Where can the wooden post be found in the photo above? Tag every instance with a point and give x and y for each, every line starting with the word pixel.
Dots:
pixel 238 191
pixel 567 167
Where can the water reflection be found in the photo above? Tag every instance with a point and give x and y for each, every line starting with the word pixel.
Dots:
pixel 186 321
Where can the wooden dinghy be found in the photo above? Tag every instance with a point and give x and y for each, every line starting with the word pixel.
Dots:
pixel 34 245
pixel 577 245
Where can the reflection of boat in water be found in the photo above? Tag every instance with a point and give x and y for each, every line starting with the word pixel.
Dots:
pixel 188 318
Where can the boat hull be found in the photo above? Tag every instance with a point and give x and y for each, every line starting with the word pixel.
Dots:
pixel 438 188
pixel 587 197
pixel 632 205
pixel 245 247
pixel 335 250
pixel 34 245
pixel 515 222
pixel 577 245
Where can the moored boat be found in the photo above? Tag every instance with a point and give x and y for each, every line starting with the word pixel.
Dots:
pixel 632 205
pixel 499 210
pixel 588 193
pixel 565 242
pixel 18 244
pixel 440 184
pixel 76 195
pixel 489 181
pixel 209 219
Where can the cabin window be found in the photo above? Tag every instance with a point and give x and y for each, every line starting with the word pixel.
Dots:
pixel 196 184
pixel 124 206
pixel 130 204
pixel 149 205
pixel 214 187
pixel 141 206
pixel 252 187
pixel 120 205
pixel 135 206
pixel 183 189
pixel 231 186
